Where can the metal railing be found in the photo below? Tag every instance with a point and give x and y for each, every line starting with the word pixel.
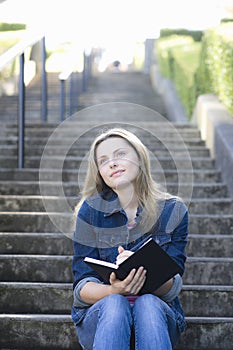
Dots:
pixel 18 51
pixel 68 75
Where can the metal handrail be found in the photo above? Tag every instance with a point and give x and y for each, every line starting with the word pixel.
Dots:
pixel 18 49
pixel 68 74
pixel 63 76
pixel 6 58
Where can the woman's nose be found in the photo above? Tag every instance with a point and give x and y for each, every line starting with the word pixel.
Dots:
pixel 113 163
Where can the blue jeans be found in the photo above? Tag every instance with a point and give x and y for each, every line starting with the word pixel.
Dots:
pixel 108 324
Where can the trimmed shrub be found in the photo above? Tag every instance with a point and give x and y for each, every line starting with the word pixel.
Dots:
pixel 164 47
pixel 199 68
pixel 215 73
pixel 7 27
pixel 178 58
pixel 195 34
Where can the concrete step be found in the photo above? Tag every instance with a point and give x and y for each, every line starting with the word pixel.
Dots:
pixel 57 298
pixel 199 190
pixel 35 203
pixel 38 332
pixel 84 123
pixel 81 151
pixel 88 123
pixel 35 243
pixel 211 271
pixel 32 174
pixel 60 244
pixel 211 224
pixel 73 128
pixel 76 132
pixel 41 222
pixel 36 298
pixel 57 332
pixel 170 143
pixel 57 268
pixel 93 126
pixel 71 162
pixel 211 205
pixel 198 300
pixel 210 245
pixel 207 333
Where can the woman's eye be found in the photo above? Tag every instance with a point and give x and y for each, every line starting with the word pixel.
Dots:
pixel 121 154
pixel 102 161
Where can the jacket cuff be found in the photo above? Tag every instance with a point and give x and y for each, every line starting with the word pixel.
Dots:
pixel 78 302
pixel 175 289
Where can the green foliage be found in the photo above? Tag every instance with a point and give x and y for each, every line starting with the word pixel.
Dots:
pixel 186 62
pixel 225 20
pixel 4 27
pixel 195 34
pixel 164 48
pixel 178 58
pixel 7 40
pixel 215 73
pixel 199 68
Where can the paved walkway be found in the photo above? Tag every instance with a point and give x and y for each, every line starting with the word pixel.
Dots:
pixel 131 87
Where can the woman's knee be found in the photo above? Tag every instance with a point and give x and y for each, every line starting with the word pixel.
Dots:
pixel 148 302
pixel 116 301
pixel 116 306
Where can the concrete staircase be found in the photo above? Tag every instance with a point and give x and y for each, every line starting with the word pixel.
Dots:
pixel 35 257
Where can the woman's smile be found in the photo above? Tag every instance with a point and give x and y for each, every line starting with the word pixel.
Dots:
pixel 117 173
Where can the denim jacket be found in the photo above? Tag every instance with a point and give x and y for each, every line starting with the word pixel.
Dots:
pixel 101 226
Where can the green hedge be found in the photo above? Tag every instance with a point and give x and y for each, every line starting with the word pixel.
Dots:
pixel 195 34
pixel 164 48
pixel 178 58
pixel 215 74
pixel 6 27
pixel 199 68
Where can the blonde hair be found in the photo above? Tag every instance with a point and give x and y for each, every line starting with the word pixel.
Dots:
pixel 147 190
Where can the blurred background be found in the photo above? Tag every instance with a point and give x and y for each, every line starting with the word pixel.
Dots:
pixel 119 28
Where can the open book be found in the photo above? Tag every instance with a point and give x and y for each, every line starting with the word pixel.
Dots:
pixel 159 265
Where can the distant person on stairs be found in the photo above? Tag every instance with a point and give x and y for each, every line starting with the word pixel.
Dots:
pixel 121 206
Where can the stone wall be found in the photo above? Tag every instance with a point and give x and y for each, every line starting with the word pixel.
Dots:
pixel 216 127
pixel 211 117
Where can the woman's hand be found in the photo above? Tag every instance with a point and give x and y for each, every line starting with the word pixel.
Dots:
pixel 133 283
pixel 123 254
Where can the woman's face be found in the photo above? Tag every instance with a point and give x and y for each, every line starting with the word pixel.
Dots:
pixel 117 162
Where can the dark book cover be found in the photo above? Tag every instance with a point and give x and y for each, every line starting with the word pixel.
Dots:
pixel 159 265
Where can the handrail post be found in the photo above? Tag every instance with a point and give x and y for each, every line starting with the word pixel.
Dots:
pixel 84 72
pixel 43 83
pixel 71 93
pixel 21 116
pixel 62 100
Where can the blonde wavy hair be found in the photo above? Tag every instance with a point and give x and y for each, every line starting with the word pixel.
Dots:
pixel 147 190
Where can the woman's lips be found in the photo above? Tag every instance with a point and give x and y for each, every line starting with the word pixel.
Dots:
pixel 116 172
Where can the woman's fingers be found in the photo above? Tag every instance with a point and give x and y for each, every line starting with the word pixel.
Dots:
pixel 135 280
pixel 131 284
pixel 138 280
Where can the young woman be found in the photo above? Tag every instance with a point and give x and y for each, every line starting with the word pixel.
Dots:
pixel 121 207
